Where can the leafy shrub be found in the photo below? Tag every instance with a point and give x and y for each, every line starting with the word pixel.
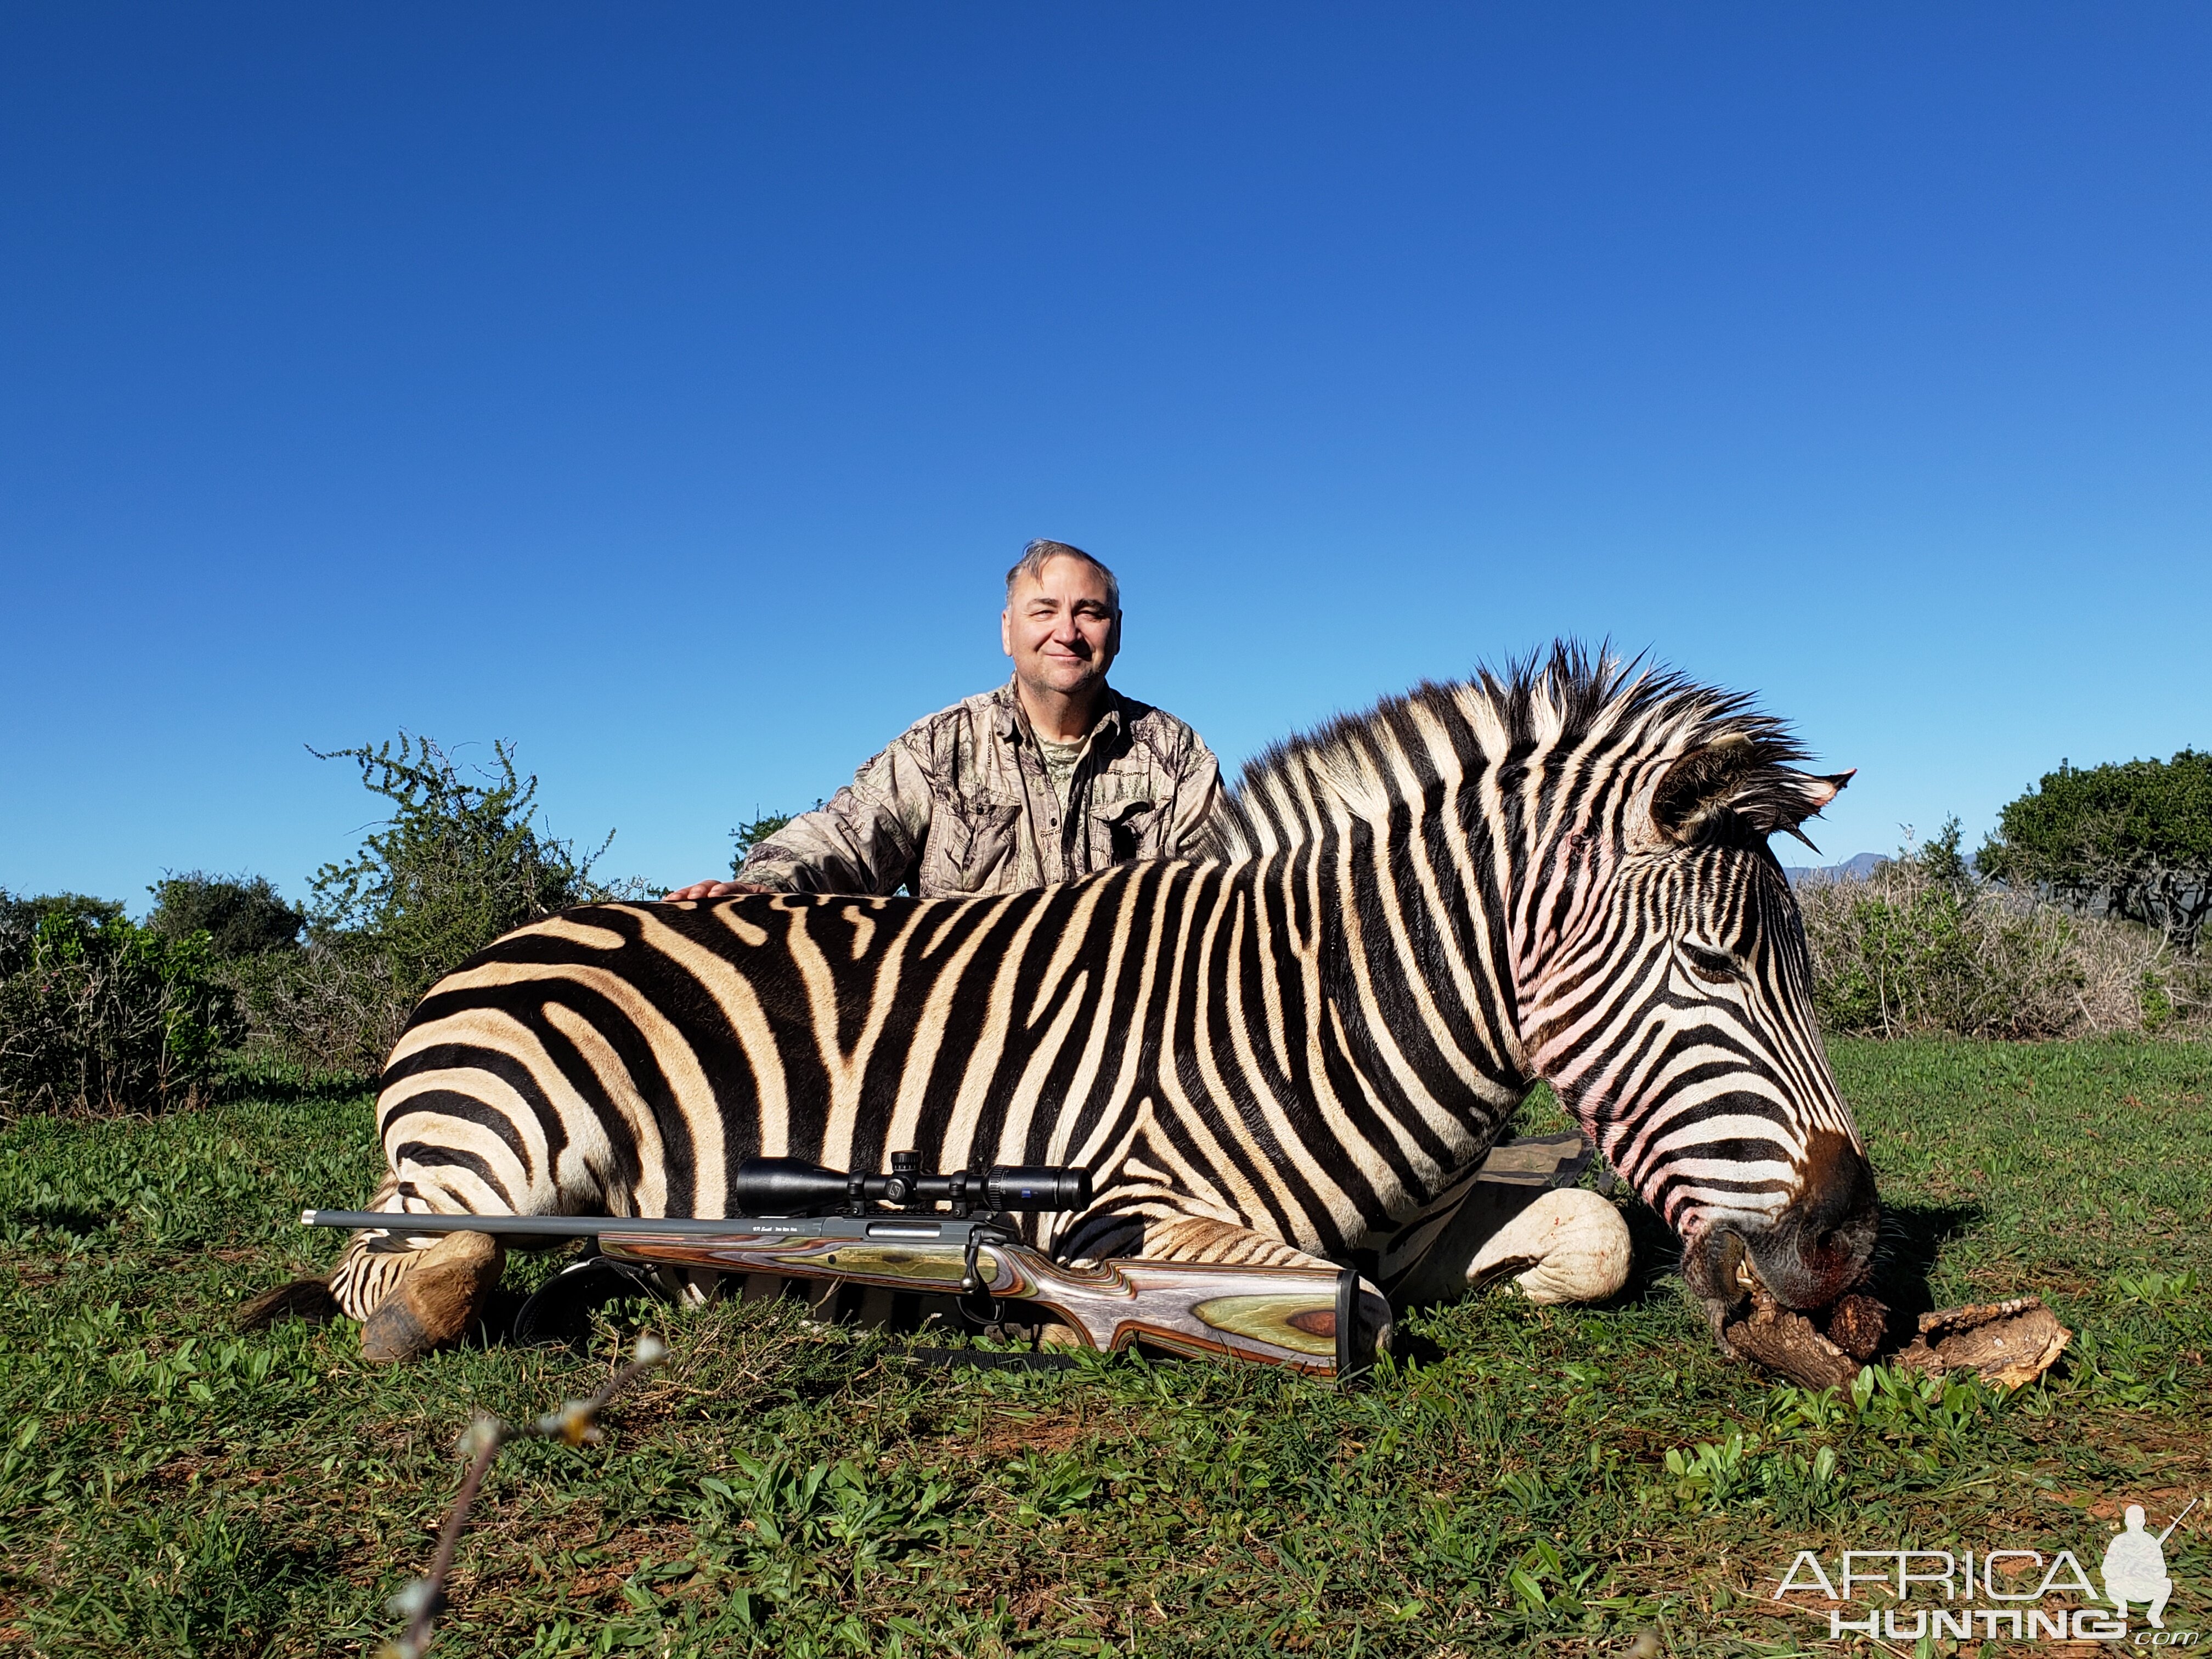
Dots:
pixel 98 1014
pixel 332 1005
pixel 2132 840
pixel 746 837
pixel 1923 945
pixel 461 860
pixel 242 916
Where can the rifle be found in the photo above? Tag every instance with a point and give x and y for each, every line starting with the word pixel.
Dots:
pixel 2176 1521
pixel 801 1220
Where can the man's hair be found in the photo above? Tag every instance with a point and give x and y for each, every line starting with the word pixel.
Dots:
pixel 1038 554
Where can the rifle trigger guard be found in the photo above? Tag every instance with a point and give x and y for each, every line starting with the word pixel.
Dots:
pixel 989 1311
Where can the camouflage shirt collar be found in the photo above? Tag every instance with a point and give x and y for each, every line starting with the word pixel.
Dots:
pixel 1014 720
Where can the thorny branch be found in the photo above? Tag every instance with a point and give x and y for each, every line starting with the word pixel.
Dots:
pixel 576 1423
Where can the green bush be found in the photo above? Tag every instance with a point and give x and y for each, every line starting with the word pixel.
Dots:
pixel 242 916
pixel 461 861
pixel 333 1005
pixel 98 1014
pixel 19 917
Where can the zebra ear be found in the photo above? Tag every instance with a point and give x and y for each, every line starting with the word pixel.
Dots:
pixel 1727 791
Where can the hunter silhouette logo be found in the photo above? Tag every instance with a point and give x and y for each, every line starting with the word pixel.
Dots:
pixel 1997 1593
pixel 2135 1567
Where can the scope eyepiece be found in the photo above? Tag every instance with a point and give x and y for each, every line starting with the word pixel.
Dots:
pixel 1037 1187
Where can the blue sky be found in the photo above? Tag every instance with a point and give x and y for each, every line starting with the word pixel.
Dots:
pixel 665 388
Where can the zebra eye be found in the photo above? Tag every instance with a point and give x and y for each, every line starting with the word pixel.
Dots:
pixel 1707 963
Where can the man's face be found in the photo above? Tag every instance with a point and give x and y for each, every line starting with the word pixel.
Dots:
pixel 1060 628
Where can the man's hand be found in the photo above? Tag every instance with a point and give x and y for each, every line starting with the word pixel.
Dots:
pixel 714 889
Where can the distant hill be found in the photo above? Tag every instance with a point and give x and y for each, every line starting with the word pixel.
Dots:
pixel 1857 868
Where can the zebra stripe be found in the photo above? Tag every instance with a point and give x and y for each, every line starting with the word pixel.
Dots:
pixel 1300 1047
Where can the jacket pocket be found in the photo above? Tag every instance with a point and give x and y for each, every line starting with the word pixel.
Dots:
pixel 1126 831
pixel 971 847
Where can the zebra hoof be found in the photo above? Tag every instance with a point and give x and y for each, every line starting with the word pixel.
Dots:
pixel 437 1302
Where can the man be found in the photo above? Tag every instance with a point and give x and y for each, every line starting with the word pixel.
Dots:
pixel 1050 776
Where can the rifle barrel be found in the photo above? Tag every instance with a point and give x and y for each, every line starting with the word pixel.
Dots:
pixel 2176 1521
pixel 530 1226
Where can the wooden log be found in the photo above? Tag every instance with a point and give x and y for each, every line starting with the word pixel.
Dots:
pixel 2004 1343
pixel 1787 1342
pixel 1858 1326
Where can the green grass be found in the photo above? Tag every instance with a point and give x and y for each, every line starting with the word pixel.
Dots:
pixel 1543 1482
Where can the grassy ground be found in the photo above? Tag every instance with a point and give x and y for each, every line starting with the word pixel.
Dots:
pixel 1544 1481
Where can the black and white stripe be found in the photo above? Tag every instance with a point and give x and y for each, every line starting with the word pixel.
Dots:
pixel 1302 1047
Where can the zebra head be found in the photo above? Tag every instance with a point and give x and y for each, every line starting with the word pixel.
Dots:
pixel 1665 985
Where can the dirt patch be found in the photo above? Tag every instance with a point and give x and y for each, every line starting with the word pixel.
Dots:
pixel 1011 1434
pixel 2154 1500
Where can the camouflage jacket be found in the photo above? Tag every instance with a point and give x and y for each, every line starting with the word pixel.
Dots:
pixel 960 804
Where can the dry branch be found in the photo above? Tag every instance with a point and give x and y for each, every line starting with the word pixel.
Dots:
pixel 575 1424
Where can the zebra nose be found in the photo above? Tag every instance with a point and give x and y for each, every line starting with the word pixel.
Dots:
pixel 1821 1245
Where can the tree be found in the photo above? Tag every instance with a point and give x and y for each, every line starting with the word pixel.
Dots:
pixel 242 916
pixel 460 862
pixel 459 859
pixel 2133 838
pixel 744 836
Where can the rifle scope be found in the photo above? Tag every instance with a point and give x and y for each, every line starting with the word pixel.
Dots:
pixel 792 1187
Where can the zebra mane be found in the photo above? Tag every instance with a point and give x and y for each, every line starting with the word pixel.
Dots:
pixel 1617 714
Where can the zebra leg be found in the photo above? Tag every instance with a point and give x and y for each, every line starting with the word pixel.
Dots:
pixel 439 1293
pixel 1197 1238
pixel 411 1299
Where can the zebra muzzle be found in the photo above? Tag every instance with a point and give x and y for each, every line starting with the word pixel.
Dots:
pixel 1720 1270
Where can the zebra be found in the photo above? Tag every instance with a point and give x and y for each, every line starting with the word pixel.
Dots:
pixel 1296 1048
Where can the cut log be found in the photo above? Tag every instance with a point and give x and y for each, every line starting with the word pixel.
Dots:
pixel 2005 1343
pixel 1787 1342
pixel 1858 1326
